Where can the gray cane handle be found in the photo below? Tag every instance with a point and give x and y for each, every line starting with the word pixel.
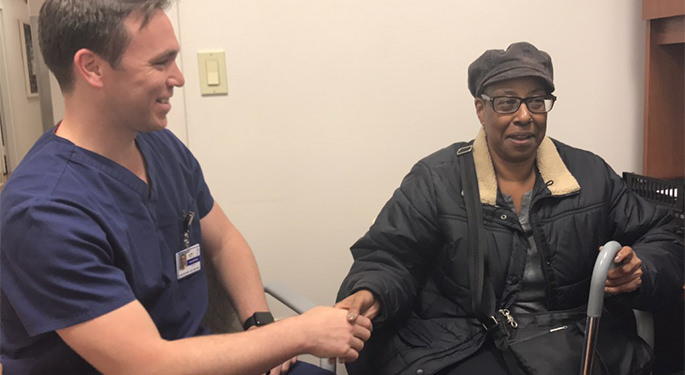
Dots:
pixel 604 262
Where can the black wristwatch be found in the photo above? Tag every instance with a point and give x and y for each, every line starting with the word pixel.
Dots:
pixel 258 319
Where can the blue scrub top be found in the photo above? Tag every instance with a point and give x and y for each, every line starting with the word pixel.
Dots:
pixel 80 236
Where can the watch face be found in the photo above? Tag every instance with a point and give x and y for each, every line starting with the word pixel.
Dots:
pixel 263 318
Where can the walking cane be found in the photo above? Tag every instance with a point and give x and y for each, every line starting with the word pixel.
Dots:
pixel 604 262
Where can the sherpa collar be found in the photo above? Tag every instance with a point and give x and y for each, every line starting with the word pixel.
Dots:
pixel 549 163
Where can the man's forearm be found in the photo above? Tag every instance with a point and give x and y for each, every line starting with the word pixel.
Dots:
pixel 126 341
pixel 235 264
pixel 235 353
pixel 239 274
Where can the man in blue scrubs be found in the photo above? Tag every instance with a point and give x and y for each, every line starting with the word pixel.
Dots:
pixel 107 223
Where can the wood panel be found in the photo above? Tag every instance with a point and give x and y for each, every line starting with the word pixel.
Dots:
pixel 652 9
pixel 664 127
pixel 670 30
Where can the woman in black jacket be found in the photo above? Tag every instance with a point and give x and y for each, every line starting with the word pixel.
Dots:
pixel 547 208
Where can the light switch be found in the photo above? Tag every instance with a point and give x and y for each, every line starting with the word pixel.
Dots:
pixel 212 73
pixel 212 65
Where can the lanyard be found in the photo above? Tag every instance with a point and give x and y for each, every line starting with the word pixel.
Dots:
pixel 188 217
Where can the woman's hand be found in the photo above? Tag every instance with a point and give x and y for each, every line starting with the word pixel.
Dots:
pixel 362 303
pixel 627 276
pixel 283 368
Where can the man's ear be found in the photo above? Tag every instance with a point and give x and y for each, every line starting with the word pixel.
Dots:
pixel 480 109
pixel 90 67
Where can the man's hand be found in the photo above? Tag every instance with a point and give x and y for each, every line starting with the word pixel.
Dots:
pixel 283 368
pixel 627 276
pixel 332 335
pixel 361 303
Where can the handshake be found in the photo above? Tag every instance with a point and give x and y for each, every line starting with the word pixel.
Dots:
pixel 340 331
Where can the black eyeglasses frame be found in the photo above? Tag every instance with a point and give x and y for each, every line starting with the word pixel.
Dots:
pixel 549 97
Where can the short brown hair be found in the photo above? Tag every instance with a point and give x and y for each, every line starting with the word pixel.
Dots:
pixel 66 26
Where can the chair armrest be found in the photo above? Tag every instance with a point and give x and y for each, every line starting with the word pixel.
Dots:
pixel 289 297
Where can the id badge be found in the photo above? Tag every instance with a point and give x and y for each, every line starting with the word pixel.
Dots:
pixel 188 261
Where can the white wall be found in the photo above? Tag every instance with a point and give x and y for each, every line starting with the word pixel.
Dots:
pixel 22 113
pixel 55 94
pixel 331 102
pixel 177 117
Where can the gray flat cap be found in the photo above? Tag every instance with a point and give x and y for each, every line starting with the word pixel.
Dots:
pixel 520 59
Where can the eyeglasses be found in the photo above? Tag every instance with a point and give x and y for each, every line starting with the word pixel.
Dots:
pixel 511 104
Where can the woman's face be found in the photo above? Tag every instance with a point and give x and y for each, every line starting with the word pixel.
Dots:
pixel 513 137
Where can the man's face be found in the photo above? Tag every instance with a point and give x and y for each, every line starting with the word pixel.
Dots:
pixel 513 137
pixel 139 87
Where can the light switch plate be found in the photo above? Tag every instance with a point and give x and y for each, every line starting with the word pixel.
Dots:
pixel 212 65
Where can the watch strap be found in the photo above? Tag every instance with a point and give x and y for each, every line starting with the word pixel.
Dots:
pixel 260 318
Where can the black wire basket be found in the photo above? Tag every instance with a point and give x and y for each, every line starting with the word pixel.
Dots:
pixel 667 193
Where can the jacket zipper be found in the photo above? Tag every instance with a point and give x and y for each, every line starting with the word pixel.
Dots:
pixel 539 334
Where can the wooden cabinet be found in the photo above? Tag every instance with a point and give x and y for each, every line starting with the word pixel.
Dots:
pixel 664 127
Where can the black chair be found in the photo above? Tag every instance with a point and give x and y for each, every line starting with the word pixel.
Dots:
pixel 668 324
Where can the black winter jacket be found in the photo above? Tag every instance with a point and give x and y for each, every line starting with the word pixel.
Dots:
pixel 413 258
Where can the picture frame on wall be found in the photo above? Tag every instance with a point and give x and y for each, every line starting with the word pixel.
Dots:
pixel 28 56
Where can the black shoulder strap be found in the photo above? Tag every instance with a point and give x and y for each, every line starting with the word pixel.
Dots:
pixel 482 292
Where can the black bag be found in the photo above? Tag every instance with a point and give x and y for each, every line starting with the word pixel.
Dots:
pixel 550 342
pixel 535 345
